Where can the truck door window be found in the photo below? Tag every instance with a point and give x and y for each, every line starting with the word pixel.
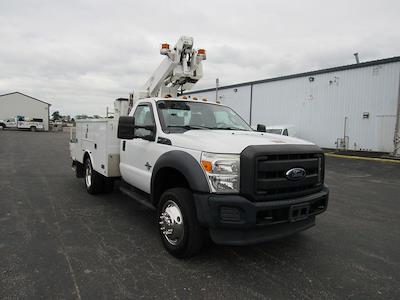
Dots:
pixel 285 132
pixel 143 117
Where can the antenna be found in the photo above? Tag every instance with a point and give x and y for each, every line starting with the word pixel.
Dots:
pixel 356 57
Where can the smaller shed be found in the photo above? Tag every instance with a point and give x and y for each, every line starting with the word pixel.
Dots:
pixel 18 104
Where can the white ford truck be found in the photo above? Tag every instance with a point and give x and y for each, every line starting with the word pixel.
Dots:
pixel 21 122
pixel 199 164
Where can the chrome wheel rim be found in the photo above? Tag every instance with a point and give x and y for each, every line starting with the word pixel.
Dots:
pixel 88 175
pixel 171 223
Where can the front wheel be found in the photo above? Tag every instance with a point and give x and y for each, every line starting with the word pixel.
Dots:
pixel 180 230
pixel 33 128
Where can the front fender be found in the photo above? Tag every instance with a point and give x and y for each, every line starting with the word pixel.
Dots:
pixel 187 165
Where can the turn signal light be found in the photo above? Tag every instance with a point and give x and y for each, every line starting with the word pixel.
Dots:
pixel 207 166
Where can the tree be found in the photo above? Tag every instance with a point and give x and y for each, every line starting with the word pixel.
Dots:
pixel 79 117
pixel 56 115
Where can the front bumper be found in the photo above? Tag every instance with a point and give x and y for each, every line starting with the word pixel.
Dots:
pixel 234 220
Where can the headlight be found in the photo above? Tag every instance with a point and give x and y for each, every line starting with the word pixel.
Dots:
pixel 222 171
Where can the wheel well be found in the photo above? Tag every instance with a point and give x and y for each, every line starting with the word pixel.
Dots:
pixel 85 156
pixel 165 179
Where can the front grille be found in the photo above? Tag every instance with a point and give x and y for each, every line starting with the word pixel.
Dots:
pixel 269 180
pixel 271 173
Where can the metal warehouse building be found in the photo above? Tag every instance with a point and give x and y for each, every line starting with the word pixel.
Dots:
pixel 354 106
pixel 19 104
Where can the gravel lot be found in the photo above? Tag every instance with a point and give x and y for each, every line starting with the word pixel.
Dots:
pixel 58 242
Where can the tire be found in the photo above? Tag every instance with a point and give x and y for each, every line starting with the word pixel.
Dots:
pixel 2 127
pixel 94 181
pixel 33 128
pixel 79 170
pixel 187 236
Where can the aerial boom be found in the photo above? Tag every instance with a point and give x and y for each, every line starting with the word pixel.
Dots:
pixel 179 71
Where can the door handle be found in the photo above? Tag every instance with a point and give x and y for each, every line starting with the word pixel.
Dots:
pixel 123 145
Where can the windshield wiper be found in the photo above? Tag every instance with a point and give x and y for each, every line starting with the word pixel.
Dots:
pixel 189 127
pixel 229 128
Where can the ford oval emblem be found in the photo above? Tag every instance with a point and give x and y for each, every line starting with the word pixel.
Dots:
pixel 296 174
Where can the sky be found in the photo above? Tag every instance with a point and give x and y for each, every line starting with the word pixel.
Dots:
pixel 81 55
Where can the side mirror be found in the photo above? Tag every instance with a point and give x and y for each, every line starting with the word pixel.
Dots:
pixel 261 128
pixel 126 128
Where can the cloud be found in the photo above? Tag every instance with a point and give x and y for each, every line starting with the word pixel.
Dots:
pixel 81 55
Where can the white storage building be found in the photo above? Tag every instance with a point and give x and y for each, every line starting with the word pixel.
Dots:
pixel 354 106
pixel 19 104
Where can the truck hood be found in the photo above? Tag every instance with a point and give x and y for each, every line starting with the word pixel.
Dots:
pixel 227 141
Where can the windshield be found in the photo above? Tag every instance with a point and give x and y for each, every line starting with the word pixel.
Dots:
pixel 179 116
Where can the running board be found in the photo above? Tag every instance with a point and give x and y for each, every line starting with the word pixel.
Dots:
pixel 137 196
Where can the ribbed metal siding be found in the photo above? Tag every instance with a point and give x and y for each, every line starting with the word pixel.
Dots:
pixel 318 108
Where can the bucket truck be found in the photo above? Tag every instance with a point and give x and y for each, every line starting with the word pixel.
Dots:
pixel 198 164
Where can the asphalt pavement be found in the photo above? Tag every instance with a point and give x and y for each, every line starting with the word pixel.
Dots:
pixel 59 242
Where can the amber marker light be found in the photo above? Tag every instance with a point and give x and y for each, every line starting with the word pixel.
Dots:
pixel 207 166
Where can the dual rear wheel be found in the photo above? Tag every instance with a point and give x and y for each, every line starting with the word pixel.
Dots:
pixel 95 182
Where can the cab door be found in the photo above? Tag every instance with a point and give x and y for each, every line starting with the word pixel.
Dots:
pixel 139 155
pixel 11 123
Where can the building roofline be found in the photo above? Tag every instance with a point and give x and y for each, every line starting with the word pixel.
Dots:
pixel 26 96
pixel 310 73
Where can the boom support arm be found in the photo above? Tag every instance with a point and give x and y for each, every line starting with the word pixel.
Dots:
pixel 179 71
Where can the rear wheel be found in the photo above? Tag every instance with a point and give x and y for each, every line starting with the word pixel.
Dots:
pixel 33 128
pixel 179 228
pixel 94 181
pixel 2 126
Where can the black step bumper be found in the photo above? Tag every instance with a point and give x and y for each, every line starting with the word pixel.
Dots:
pixel 234 220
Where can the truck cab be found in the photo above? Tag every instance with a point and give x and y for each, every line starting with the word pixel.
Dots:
pixel 202 168
pixel 206 171
pixel 288 130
